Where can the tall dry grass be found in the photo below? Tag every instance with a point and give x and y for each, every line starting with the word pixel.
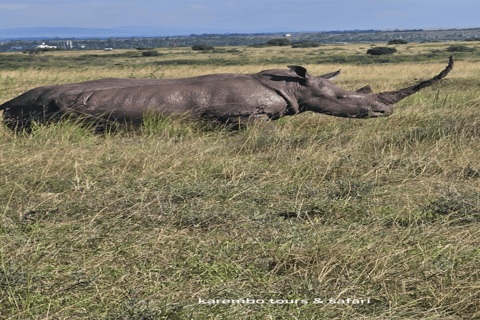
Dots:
pixel 142 224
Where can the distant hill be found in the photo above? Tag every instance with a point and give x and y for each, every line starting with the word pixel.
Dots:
pixel 45 33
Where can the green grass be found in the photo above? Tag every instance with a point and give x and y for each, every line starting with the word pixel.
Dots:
pixel 142 223
pixel 236 56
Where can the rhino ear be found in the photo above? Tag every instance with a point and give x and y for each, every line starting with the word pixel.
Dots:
pixel 331 75
pixel 365 89
pixel 300 71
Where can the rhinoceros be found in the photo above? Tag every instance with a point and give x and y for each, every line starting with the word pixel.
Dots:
pixel 228 98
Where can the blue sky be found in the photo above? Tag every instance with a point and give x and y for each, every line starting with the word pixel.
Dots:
pixel 242 15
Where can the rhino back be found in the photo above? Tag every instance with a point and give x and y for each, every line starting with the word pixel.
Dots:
pixel 219 95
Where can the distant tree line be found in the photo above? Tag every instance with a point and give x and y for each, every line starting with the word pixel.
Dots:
pixel 299 38
pixel 397 41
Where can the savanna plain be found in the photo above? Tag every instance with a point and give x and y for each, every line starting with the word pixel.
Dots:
pixel 309 216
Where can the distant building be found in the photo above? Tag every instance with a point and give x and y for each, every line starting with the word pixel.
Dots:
pixel 108 49
pixel 174 44
pixel 64 44
pixel 45 46
pixel 288 35
pixel 16 48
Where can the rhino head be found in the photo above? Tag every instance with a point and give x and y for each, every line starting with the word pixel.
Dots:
pixel 305 92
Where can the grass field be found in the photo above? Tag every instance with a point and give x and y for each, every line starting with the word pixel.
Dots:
pixel 307 217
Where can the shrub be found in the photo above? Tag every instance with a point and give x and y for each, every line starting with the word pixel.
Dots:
pixel 460 49
pixel 397 42
pixel 305 44
pixel 41 50
pixel 48 49
pixel 202 47
pixel 279 42
pixel 33 51
pixel 377 51
pixel 150 53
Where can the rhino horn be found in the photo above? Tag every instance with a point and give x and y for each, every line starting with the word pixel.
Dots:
pixel 392 97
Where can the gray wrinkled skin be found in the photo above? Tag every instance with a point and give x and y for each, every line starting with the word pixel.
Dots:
pixel 228 98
